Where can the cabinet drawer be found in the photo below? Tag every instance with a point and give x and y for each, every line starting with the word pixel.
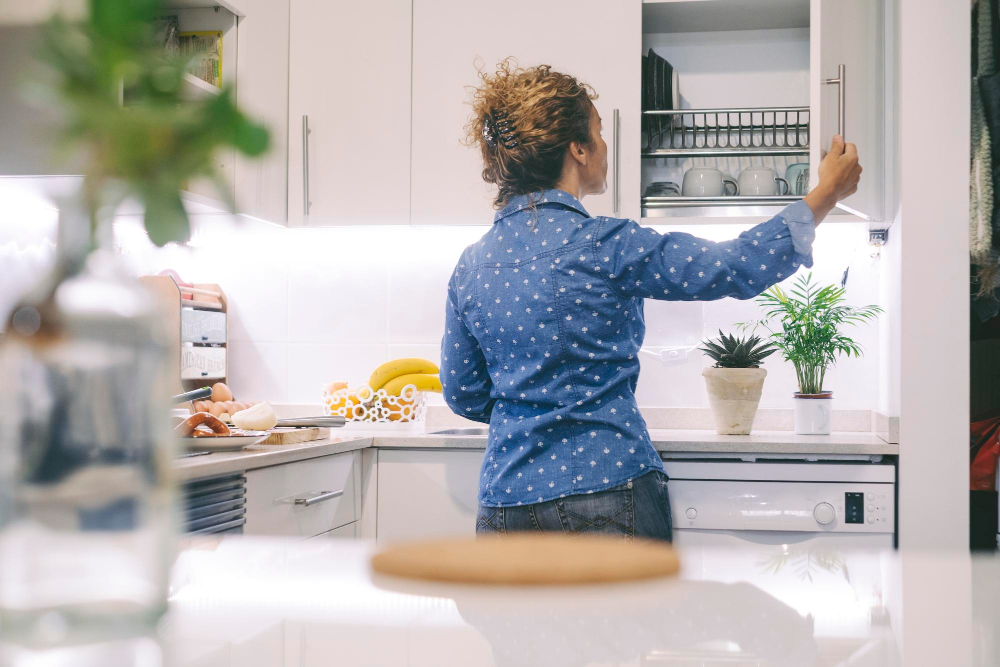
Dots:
pixel 324 488
pixel 350 532
pixel 203 362
pixel 202 326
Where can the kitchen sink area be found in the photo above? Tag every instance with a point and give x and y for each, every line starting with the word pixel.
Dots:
pixel 468 431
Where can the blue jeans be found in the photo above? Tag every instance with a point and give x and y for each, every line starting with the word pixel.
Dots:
pixel 639 508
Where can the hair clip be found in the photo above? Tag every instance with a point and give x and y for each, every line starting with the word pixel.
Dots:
pixel 498 129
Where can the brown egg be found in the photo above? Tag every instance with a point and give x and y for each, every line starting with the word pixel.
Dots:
pixel 221 392
pixel 236 406
pixel 217 408
pixel 201 406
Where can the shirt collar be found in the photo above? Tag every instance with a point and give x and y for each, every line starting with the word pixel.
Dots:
pixel 546 198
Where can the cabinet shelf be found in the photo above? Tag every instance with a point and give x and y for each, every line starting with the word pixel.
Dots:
pixel 193 88
pixel 726 151
pixel 736 132
pixel 716 207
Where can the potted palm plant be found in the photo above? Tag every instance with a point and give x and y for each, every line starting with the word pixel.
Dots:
pixel 735 381
pixel 811 318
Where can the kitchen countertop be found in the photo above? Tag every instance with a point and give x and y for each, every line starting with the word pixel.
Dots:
pixel 317 603
pixel 668 441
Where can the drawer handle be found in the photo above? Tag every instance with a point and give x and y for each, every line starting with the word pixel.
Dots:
pixel 316 497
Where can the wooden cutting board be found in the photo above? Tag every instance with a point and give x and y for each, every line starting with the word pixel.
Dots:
pixel 528 559
pixel 294 436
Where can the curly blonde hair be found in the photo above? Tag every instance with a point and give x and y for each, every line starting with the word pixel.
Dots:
pixel 544 111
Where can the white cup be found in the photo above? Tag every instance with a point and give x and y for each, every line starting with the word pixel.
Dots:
pixel 706 182
pixel 761 181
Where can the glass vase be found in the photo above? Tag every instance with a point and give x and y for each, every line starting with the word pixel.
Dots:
pixel 86 519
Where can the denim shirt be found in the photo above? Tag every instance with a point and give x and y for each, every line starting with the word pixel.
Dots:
pixel 543 327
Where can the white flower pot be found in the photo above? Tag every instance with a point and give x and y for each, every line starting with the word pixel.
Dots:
pixel 812 413
pixel 734 394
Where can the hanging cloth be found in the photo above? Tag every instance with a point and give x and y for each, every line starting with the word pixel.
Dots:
pixel 981 174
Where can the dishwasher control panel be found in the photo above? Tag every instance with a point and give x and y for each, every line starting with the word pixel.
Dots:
pixel 854 504
pixel 782 506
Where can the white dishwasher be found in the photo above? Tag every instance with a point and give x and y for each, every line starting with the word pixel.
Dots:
pixel 836 504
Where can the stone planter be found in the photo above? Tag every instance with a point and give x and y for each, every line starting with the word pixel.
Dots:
pixel 812 413
pixel 734 394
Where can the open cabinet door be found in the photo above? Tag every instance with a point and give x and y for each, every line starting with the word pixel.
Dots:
pixel 847 94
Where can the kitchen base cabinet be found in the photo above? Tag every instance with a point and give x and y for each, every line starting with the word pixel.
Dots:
pixel 306 498
pixel 349 531
pixel 427 493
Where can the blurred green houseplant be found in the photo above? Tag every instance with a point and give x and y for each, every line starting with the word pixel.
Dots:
pixel 151 147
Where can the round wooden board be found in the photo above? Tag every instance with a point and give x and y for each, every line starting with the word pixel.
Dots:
pixel 529 559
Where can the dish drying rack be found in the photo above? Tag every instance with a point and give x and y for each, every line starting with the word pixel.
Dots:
pixel 723 133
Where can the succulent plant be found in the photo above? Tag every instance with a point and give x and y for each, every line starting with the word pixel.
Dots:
pixel 732 352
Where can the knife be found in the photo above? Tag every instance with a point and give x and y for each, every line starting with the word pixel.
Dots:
pixel 196 395
pixel 306 422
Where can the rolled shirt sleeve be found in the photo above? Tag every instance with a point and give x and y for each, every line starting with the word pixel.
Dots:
pixel 675 266
pixel 802 227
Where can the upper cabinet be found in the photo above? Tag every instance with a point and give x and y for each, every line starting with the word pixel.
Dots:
pixel 28 130
pixel 713 110
pixel 594 40
pixel 349 112
pixel 750 92
pixel 847 93
pixel 261 184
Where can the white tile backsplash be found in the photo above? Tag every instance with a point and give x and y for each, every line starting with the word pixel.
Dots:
pixel 310 306
pixel 337 286
pixel 311 366
pixel 259 371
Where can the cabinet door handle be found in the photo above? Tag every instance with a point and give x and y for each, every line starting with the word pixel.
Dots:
pixel 615 186
pixel 305 166
pixel 841 82
pixel 312 498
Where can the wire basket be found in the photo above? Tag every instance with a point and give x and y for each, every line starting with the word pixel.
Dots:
pixel 364 405
pixel 721 132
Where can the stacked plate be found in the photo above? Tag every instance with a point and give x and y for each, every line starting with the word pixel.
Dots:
pixel 659 92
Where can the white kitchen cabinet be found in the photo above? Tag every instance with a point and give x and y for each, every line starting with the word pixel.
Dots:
pixel 305 498
pixel 347 531
pixel 349 112
pixel 196 16
pixel 424 493
pixel 254 62
pixel 594 40
pixel 847 36
pixel 262 57
pixel 734 56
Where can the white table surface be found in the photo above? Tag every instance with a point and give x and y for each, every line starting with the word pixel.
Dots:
pixel 249 602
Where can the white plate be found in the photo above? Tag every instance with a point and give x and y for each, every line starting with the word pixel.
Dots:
pixel 225 443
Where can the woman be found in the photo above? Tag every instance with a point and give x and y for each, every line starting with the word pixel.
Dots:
pixel 545 312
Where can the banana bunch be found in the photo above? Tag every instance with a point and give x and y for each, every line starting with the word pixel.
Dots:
pixel 396 374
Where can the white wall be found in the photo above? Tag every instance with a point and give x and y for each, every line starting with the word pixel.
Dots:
pixel 309 306
pixel 933 45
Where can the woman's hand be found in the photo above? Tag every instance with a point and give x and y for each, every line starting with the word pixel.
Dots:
pixel 839 173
